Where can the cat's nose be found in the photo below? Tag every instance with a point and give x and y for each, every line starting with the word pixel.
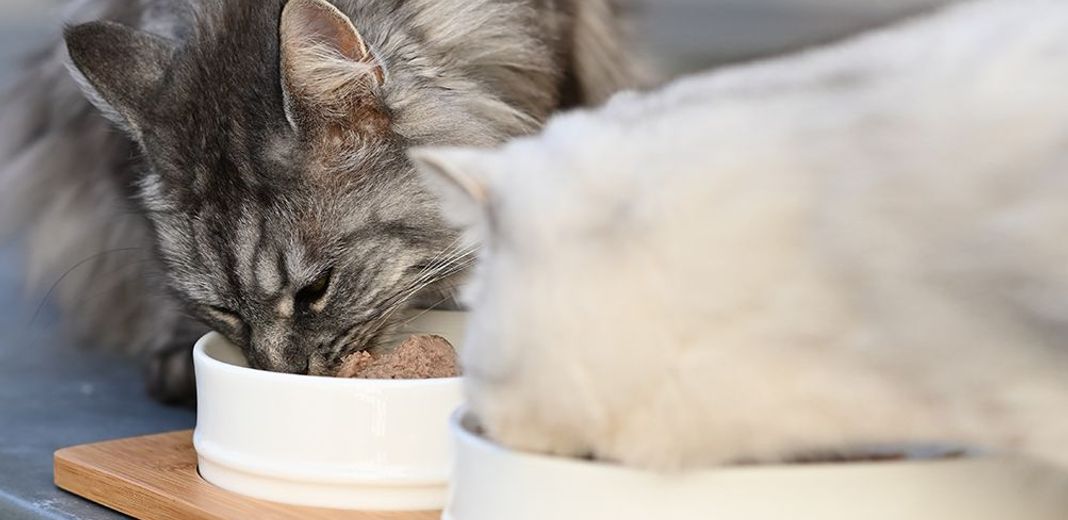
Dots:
pixel 289 361
pixel 319 366
pixel 275 349
pixel 299 366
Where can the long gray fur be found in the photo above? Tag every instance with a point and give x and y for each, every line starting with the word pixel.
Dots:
pixel 211 210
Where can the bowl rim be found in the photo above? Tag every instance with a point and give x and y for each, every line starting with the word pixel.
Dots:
pixel 464 435
pixel 202 358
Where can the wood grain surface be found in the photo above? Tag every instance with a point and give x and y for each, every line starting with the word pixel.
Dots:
pixel 155 478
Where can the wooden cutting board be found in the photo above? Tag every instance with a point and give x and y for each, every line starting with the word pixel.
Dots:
pixel 155 478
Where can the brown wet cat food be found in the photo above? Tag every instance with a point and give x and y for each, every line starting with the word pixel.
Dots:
pixel 419 357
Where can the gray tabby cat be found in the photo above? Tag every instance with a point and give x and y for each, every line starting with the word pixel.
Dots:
pixel 260 182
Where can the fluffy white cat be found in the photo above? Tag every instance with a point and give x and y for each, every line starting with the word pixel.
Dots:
pixel 863 244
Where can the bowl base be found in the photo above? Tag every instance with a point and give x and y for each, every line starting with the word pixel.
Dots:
pixel 351 496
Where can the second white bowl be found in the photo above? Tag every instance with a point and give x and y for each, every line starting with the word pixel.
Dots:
pixel 323 441
pixel 491 482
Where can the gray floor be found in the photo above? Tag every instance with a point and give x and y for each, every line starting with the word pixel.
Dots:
pixel 53 394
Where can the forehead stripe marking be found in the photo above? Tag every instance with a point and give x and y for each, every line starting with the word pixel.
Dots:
pixel 247 242
pixel 265 280
pixel 230 266
pixel 267 277
pixel 285 307
pixel 283 269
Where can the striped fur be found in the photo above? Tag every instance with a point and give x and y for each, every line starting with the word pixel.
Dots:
pixel 221 210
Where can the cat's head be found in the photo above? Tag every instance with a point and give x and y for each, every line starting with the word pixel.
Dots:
pixel 285 211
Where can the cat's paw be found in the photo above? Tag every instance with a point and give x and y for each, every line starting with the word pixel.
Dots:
pixel 169 375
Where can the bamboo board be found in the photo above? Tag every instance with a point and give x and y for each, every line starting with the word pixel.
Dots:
pixel 155 478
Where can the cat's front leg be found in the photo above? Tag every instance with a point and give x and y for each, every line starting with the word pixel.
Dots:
pixel 168 370
pixel 168 374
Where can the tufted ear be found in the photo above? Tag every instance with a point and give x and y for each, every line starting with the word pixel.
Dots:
pixel 329 74
pixel 460 179
pixel 119 68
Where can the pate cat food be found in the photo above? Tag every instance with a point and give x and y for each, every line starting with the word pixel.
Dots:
pixel 419 357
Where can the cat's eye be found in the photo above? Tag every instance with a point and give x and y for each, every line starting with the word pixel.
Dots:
pixel 420 268
pixel 314 291
pixel 219 310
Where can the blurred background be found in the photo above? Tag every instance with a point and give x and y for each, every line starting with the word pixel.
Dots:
pixel 53 394
pixel 683 35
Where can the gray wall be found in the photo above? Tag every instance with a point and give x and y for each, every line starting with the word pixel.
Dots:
pixel 693 34
pixel 684 35
pixel 24 24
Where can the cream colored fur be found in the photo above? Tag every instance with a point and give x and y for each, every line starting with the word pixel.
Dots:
pixel 863 244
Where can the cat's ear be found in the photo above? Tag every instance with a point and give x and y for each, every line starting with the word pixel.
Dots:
pixel 460 177
pixel 330 75
pixel 119 68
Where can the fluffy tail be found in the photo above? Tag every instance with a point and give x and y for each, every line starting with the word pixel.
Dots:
pixel 65 180
pixel 604 59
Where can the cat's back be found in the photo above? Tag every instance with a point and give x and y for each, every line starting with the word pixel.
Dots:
pixel 934 102
pixel 887 157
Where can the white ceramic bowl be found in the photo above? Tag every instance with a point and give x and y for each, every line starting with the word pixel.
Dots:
pixel 494 483
pixel 324 441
